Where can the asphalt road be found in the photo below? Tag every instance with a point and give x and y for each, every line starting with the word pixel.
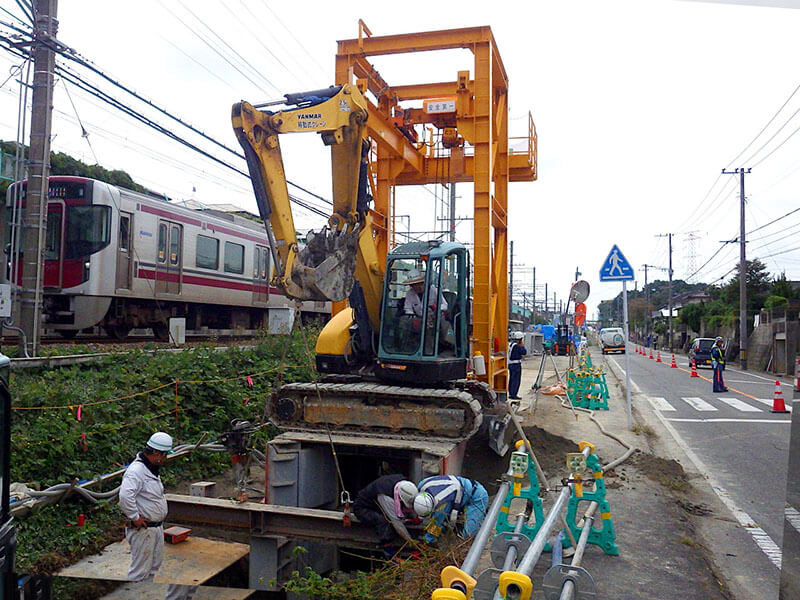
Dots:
pixel 734 436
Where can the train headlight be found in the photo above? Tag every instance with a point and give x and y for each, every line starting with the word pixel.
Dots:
pixel 86 266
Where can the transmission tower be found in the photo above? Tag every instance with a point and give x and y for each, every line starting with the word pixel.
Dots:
pixel 691 251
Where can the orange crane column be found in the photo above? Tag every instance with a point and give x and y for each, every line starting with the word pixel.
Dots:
pixel 482 323
pixel 499 221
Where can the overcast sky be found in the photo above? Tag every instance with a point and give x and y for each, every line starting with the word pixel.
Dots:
pixel 638 107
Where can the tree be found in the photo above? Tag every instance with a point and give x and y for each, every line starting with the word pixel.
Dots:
pixel 783 287
pixel 692 315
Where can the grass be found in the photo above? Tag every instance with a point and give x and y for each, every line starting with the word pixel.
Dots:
pixel 122 400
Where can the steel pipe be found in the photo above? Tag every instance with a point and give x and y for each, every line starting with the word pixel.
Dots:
pixel 568 590
pixel 530 558
pixel 487 528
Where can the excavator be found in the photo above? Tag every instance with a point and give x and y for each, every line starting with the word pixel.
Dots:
pixel 415 346
pixel 381 365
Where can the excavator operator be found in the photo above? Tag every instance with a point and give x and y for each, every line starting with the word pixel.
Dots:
pixel 413 307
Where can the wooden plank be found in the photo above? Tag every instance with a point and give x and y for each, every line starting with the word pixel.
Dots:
pixel 192 562
pixel 156 591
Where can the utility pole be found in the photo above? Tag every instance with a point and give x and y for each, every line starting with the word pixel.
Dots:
pixel 646 305
pixel 452 215
pixel 533 301
pixel 545 300
pixel 742 270
pixel 669 289
pixel 511 284
pixel 34 220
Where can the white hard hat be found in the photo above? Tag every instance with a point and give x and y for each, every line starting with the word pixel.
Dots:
pixel 407 492
pixel 424 504
pixel 160 441
pixel 517 335
pixel 415 276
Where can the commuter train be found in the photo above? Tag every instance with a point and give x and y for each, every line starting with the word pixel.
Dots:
pixel 120 260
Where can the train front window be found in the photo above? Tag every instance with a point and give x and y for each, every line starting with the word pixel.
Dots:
pixel 88 230
pixel 52 247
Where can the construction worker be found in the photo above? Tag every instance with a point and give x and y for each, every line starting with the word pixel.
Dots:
pixel 516 351
pixel 718 364
pixel 442 495
pixel 142 500
pixel 385 504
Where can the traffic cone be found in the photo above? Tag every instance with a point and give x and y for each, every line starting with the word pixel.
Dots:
pixel 694 369
pixel 651 354
pixel 659 356
pixel 673 365
pixel 777 402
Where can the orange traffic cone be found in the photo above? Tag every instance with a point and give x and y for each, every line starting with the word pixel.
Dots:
pixel 777 402
pixel 694 369
pixel 651 354
pixel 673 365
pixel 659 356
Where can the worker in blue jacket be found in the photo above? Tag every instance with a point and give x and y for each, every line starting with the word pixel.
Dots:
pixel 515 353
pixel 440 495
pixel 718 364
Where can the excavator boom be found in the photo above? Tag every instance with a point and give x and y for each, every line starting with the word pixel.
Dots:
pixel 324 268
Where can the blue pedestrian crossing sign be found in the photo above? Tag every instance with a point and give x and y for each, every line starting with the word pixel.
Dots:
pixel 616 267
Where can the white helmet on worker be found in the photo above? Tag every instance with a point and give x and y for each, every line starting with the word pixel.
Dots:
pixel 415 276
pixel 407 492
pixel 424 504
pixel 517 335
pixel 160 441
pixel 719 339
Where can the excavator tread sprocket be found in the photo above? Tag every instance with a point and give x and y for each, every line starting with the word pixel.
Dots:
pixel 369 407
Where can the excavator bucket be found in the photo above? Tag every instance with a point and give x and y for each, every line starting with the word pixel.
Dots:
pixel 325 267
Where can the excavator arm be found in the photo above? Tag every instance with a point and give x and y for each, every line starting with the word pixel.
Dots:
pixel 324 268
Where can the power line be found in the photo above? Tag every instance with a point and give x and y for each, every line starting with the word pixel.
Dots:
pixel 765 127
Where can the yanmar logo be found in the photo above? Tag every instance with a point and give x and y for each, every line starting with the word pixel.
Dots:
pixel 309 116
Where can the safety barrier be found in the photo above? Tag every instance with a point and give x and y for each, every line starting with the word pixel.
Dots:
pixel 588 388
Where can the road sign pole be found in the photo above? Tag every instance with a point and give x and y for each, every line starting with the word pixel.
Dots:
pixel 627 354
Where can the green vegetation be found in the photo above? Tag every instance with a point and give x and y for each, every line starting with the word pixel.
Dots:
pixel 64 164
pixel 122 400
pixel 720 310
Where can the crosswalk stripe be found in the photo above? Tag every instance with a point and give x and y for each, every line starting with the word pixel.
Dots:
pixel 739 405
pixel 661 404
pixel 793 516
pixel 698 404
pixel 769 401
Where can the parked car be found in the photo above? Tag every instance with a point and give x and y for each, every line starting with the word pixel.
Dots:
pixel 700 351
pixel 612 339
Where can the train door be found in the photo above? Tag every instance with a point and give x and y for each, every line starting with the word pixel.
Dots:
pixel 169 258
pixel 124 251
pixel 260 275
pixel 53 265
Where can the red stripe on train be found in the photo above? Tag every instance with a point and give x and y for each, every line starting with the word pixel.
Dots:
pixel 205 281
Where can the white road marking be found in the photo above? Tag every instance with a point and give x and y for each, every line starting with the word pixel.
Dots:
pixel 739 405
pixel 793 516
pixel 698 404
pixel 760 537
pixel 660 404
pixel 769 402
pixel 677 420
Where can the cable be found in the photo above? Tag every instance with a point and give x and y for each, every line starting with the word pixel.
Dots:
pixel 765 127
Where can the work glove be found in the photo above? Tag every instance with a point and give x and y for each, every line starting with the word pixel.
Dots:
pixel 713 364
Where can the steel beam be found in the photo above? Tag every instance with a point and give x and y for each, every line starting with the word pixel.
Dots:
pixel 270 520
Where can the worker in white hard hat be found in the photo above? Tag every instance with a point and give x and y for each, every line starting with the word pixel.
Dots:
pixel 441 496
pixel 386 504
pixel 414 305
pixel 516 350
pixel 142 500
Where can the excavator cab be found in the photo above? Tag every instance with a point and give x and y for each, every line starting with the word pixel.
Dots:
pixel 424 332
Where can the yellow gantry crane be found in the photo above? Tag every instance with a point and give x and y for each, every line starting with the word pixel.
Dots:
pixel 471 111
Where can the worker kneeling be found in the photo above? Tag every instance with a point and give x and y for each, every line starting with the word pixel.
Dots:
pixel 386 504
pixel 440 495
